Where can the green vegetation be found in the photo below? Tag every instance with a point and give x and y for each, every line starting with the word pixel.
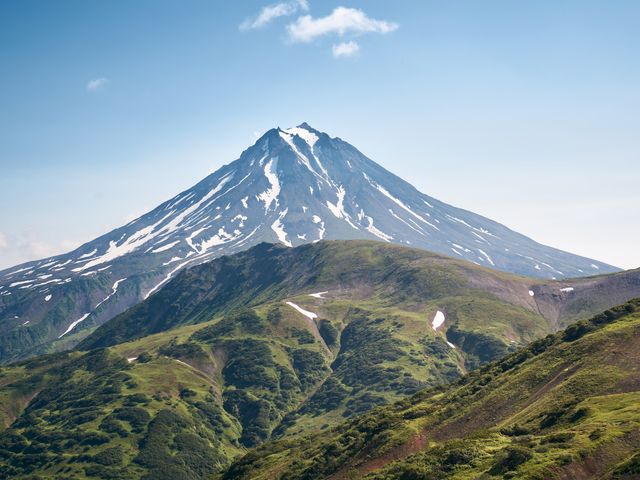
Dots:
pixel 184 404
pixel 566 406
pixel 367 273
pixel 371 344
pixel 206 371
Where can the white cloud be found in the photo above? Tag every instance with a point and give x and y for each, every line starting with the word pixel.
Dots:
pixel 24 247
pixel 97 84
pixel 345 49
pixel 271 12
pixel 341 21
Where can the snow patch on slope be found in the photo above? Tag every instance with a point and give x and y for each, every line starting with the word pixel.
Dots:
pixel 309 137
pixel 278 228
pixel 397 201
pixel 271 195
pixel 438 320
pixel 338 208
pixel 372 229
pixel 74 323
pixel 163 248
pixel 318 295
pixel 486 256
pixel 304 312
pixel 144 235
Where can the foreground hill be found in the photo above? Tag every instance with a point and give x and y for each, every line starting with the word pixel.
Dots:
pixel 565 407
pixel 196 397
pixel 292 186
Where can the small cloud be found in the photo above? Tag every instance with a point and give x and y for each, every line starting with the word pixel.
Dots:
pixel 3 242
pixel 345 49
pixel 341 21
pixel 271 12
pixel 34 249
pixel 98 84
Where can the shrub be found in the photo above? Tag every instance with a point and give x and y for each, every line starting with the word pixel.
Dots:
pixel 187 393
pixel 329 333
pixel 111 425
pixel 135 399
pixel 144 357
pixel 93 438
pixel 182 350
pixel 309 366
pixel 510 459
pixel 514 430
pixel 109 456
pixel 304 337
pixel 136 417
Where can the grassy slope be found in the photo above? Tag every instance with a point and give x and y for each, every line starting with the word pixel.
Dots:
pixel 567 406
pixel 380 303
pixel 414 279
pixel 269 372
pixel 189 403
pixel 250 376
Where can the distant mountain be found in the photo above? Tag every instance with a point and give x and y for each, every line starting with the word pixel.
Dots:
pixel 565 407
pixel 292 186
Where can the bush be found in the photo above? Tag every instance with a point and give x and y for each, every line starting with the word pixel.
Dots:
pixel 136 417
pixel 109 456
pixel 187 393
pixel 561 437
pixel 309 366
pixel 254 415
pixel 135 399
pixel 111 425
pixel 510 459
pixel 144 357
pixel 304 337
pixel 182 350
pixel 329 333
pixel 514 430
pixel 247 364
pixel 274 316
pixel 577 330
pixel 485 348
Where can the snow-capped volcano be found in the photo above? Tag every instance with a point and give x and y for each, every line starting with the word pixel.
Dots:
pixel 292 186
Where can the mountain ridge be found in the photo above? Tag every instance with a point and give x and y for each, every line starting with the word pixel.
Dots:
pixel 292 186
pixel 272 271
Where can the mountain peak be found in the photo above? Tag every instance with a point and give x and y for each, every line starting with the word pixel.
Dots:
pixel 294 186
pixel 306 126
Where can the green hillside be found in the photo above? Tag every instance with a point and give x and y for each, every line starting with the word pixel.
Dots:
pixel 268 344
pixel 566 407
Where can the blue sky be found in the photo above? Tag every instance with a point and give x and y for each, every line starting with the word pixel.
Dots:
pixel 526 112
